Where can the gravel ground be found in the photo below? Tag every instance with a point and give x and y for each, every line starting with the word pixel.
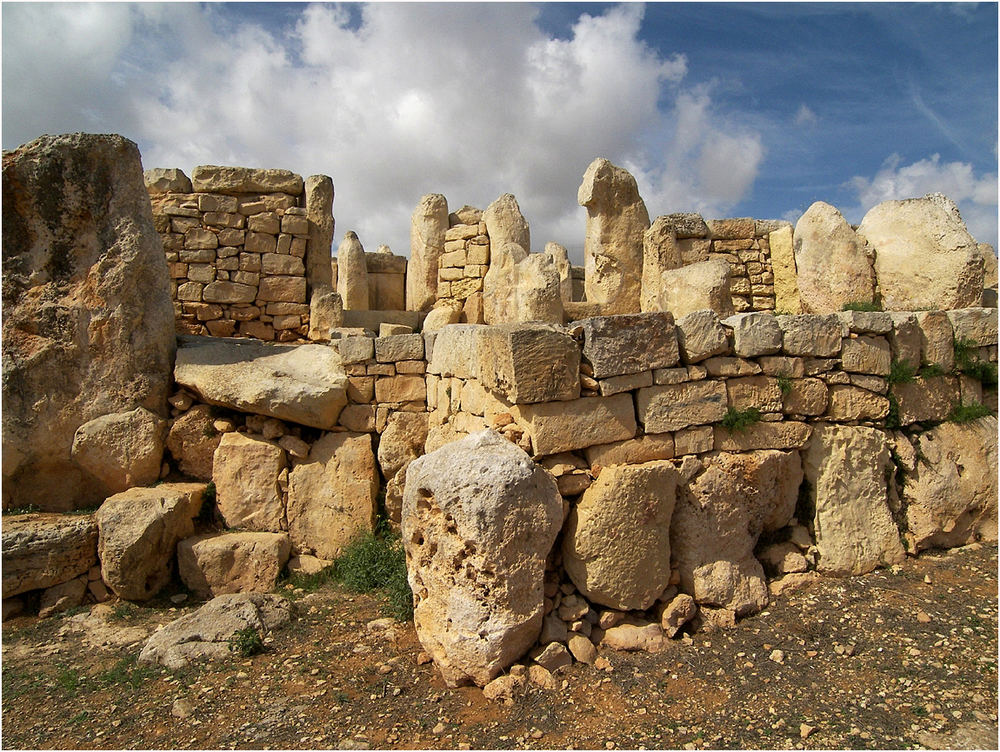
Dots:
pixel 900 658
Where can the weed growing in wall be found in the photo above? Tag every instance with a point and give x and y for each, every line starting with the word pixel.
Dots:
pixel 901 372
pixel 785 385
pixel 736 421
pixel 864 305
pixel 962 413
pixel 967 362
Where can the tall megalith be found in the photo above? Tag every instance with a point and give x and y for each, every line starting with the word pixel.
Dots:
pixel 88 325
pixel 616 221
pixel 352 273
pixel 428 225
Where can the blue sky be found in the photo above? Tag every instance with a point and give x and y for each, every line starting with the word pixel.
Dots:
pixel 730 109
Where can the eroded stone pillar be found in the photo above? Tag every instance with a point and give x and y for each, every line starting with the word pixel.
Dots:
pixel 428 225
pixel 352 273
pixel 319 211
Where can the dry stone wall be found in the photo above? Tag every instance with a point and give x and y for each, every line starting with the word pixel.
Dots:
pixel 239 243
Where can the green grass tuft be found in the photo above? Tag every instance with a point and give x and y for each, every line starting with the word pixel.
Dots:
pixel 962 413
pixel 784 385
pixel 736 421
pixel 246 642
pixel 901 372
pixel 129 672
pixel 861 305
pixel 967 361
pixel 931 371
pixel 892 417
pixel 376 562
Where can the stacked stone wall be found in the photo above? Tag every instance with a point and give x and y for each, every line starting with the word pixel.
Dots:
pixel 465 260
pixel 237 249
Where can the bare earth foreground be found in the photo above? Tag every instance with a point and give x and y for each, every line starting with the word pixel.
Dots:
pixel 899 658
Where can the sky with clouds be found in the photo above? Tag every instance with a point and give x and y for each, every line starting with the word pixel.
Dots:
pixel 739 109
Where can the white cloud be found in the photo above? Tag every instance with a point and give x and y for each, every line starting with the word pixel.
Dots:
pixel 805 116
pixel 976 196
pixel 468 100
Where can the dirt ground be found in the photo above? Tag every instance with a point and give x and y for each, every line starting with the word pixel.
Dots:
pixel 900 658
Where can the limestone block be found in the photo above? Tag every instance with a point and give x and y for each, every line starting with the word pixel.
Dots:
pixel 950 493
pixel 754 334
pixel 867 322
pixel 62 597
pixel 847 468
pixel 121 450
pixel 905 339
pixel 626 383
pixel 399 347
pixel 694 440
pixel 761 392
pixel 785 434
pixel 629 343
pixel 635 635
pixel 521 287
pixel 455 351
pixel 616 544
pixel 613 248
pixel 675 406
pixel 401 442
pixel 832 262
pixel 207 633
pixel 356 349
pixel 525 363
pixel 657 446
pixel 660 253
pixel 700 335
pixel 720 514
pixel 730 367
pixel 192 442
pixel 88 324
pixel 786 288
pixel 407 388
pixel 236 180
pixel 565 426
pixel 866 354
pixel 805 397
pixel 924 256
pixel 138 531
pixel 43 550
pixel 854 403
pixel 163 180
pixel 352 273
pixel 276 263
pixel 978 325
pixel 700 286
pixel 332 495
pixel 245 472
pixel 937 339
pixel 303 384
pixel 811 335
pixel 282 289
pixel 735 228
pixel 214 564
pixel 319 211
pixel 926 399
pixel 326 311
pixel 476 543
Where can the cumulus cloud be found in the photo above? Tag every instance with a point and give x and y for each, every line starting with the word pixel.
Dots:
pixel 805 116
pixel 976 195
pixel 468 100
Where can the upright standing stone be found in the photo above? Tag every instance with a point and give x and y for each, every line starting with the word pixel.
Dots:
pixel 786 285
pixel 659 254
pixel 697 287
pixel 616 221
pixel 479 519
pixel 560 257
pixel 428 226
pixel 326 312
pixel 319 211
pixel 352 273
pixel 506 224
pixel 925 259
pixel 88 326
pixel 833 266
pixel 500 283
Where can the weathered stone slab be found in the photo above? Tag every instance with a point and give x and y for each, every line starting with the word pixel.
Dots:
pixel 616 545
pixel 977 325
pixel 629 343
pixel 675 406
pixel 303 384
pixel 926 399
pixel 138 531
pixel 805 397
pixel 700 286
pixel 786 434
pixel 701 335
pixel 657 446
pixel 847 468
pixel 214 564
pixel 786 288
pixel 401 442
pixel 854 403
pixel 526 363
pixel 121 450
pixel 761 392
pixel 866 354
pixel 937 339
pixel 399 347
pixel 867 322
pixel 192 442
pixel 455 351
pixel 565 426
pixel 42 550
pixel 833 267
pixel 905 339
pixel 166 180
pixel 754 334
pixel 233 180
pixel 332 494
pixel 811 335
pixel 245 472
pixel 476 543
